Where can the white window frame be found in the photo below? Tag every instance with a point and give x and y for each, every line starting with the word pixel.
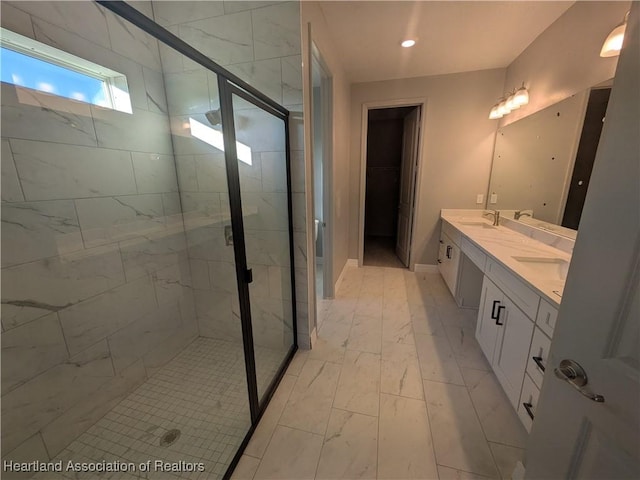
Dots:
pixel 114 83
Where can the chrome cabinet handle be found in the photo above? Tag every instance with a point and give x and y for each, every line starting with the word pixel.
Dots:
pixel 572 373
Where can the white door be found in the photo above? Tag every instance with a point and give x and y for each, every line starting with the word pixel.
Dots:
pixel 599 318
pixel 407 183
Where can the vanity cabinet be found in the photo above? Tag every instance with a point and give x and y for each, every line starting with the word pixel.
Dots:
pixel 504 333
pixel 461 265
pixel 515 323
pixel 537 362
pixel 449 261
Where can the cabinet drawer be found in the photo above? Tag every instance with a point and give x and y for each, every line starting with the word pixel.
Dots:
pixel 540 346
pixel 476 255
pixel 523 296
pixel 530 394
pixel 450 231
pixel 547 316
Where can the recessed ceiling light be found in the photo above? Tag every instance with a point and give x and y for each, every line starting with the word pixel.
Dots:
pixel 408 43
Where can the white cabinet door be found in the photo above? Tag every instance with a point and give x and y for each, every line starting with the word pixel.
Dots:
pixel 512 348
pixel 449 260
pixel 487 328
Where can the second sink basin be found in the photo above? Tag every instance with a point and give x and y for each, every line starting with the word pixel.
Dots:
pixel 554 267
pixel 477 224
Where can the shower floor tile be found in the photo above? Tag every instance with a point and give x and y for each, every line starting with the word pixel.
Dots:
pixel 202 393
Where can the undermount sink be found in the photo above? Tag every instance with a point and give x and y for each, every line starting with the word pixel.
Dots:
pixel 477 224
pixel 554 267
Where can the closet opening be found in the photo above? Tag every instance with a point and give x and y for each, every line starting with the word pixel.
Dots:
pixel 392 138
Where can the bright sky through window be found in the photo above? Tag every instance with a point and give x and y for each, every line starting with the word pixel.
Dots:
pixel 31 64
pixel 30 72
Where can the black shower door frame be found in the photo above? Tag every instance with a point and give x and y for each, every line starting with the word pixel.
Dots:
pixel 229 85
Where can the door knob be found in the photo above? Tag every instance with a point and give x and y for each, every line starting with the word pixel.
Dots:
pixel 572 373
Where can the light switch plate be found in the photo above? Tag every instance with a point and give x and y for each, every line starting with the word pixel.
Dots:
pixel 494 198
pixel 479 198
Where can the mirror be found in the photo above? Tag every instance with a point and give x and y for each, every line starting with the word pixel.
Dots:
pixel 542 163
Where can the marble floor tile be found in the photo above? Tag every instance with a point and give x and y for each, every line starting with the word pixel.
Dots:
pixel 372 287
pixel 437 362
pixel 310 401
pixel 394 383
pixel 466 348
pixel 451 315
pixel 405 449
pixel 365 334
pixel 506 458
pixel 447 473
pixel 350 447
pixel 326 351
pixel 340 312
pixel 457 434
pixel 262 435
pixel 499 420
pixel 246 468
pixel 292 454
pixel 369 306
pixel 400 371
pixel 359 385
pixel 297 362
pixel 396 325
pixel 426 320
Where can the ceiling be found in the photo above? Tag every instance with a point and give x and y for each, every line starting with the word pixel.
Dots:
pixel 452 36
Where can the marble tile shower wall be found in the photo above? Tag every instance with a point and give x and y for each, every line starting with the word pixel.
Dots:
pixel 259 42
pixel 95 273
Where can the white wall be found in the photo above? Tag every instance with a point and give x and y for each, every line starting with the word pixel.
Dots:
pixel 312 15
pixel 565 58
pixel 456 153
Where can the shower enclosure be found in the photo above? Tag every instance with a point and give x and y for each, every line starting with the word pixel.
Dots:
pixel 148 297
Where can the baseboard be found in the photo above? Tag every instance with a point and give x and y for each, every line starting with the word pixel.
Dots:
pixel 425 268
pixel 351 262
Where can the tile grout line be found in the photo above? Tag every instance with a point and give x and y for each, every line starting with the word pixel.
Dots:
pixel 426 402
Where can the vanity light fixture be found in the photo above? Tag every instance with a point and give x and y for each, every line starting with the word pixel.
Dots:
pixel 613 44
pixel 408 43
pixel 511 102
pixel 521 97
pixel 495 113
pixel 506 105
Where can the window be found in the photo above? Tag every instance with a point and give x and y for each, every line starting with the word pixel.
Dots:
pixel 30 64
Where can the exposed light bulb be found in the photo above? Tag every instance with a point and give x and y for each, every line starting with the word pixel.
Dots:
pixel 521 97
pixel 408 43
pixel 502 107
pixel 511 102
pixel 495 113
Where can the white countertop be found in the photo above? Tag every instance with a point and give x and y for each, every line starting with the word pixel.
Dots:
pixel 541 266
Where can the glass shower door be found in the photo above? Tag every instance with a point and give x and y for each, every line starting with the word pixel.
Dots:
pixel 260 140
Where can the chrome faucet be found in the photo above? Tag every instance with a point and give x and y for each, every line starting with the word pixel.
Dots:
pixel 496 216
pixel 522 213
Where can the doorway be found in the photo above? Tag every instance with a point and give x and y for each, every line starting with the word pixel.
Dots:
pixel 392 138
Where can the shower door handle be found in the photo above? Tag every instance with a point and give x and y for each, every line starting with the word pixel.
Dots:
pixel 248 275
